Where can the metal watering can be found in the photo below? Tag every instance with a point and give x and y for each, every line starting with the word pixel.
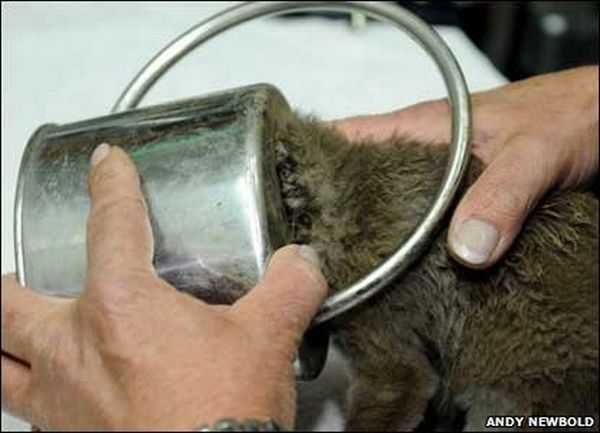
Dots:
pixel 209 179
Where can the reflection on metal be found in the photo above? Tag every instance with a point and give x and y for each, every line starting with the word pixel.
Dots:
pixel 209 181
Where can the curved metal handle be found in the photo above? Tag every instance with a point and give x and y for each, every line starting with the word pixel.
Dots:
pixel 421 236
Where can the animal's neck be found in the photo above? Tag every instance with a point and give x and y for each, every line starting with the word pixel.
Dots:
pixel 355 203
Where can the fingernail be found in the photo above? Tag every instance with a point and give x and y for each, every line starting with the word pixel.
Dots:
pixel 99 153
pixel 310 254
pixel 474 241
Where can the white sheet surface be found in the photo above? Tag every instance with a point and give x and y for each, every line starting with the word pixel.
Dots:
pixel 69 61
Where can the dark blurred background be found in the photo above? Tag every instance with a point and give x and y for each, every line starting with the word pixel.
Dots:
pixel 521 38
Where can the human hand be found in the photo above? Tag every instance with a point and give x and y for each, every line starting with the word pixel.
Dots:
pixel 134 353
pixel 532 135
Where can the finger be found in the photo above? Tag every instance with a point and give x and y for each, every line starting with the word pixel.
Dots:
pixel 427 121
pixel 289 295
pixel 493 210
pixel 119 237
pixel 16 379
pixel 22 309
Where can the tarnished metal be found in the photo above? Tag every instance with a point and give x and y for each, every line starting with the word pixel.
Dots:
pixel 208 177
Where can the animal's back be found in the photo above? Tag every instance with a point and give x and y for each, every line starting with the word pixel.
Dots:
pixel 520 338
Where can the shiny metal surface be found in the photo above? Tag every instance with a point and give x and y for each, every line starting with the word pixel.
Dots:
pixel 412 248
pixel 209 180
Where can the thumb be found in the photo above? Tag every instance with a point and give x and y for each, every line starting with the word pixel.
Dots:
pixel 289 295
pixel 492 212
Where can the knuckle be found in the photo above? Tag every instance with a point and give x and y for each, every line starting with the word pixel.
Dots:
pixel 116 204
pixel 105 302
pixel 112 304
pixel 114 219
pixel 504 203
pixel 509 204
pixel 106 287
pixel 110 326
pixel 280 330
pixel 113 292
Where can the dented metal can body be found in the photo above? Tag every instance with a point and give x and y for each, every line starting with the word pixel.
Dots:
pixel 208 172
pixel 208 177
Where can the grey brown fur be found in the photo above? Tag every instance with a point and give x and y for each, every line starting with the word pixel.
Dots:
pixel 518 339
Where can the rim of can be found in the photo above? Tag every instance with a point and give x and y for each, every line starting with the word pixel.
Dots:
pixel 18 207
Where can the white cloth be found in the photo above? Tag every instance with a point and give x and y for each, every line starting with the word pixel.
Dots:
pixel 63 62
